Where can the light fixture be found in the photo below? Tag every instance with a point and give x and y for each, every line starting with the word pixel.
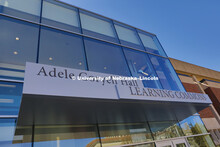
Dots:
pixel 17 38
pixel 80 63
pixel 15 52
pixel 105 67
pixel 50 58
pixel 134 62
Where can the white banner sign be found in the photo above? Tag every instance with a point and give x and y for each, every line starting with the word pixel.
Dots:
pixel 60 81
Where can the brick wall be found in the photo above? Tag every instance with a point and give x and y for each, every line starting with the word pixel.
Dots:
pixel 214 94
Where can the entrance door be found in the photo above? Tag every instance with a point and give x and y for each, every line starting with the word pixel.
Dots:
pixel 172 143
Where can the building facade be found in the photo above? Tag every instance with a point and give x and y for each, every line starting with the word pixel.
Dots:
pixel 58 38
pixel 202 80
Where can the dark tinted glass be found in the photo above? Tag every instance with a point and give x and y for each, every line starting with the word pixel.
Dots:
pixel 166 73
pixel 140 66
pixel 18 41
pixel 105 57
pixel 61 49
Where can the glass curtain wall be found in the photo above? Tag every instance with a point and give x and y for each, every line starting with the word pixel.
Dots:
pixel 66 49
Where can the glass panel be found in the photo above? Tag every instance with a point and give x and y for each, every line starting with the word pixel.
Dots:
pixel 166 73
pixel 66 136
pixel 201 141
pixel 18 41
pixel 7 137
pixel 61 49
pixel 60 15
pixel 98 27
pixel 105 57
pixel 27 9
pixel 193 125
pixel 163 130
pixel 120 134
pixel 140 66
pixel 128 36
pixel 151 44
pixel 10 98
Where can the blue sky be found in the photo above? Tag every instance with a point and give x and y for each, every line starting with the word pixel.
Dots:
pixel 189 30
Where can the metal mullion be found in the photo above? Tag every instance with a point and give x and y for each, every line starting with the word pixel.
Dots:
pixel 83 41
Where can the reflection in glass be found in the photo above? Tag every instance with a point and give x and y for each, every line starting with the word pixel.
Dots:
pixel 166 73
pixel 193 125
pixel 18 41
pixel 151 43
pixel 128 36
pixel 27 9
pixel 8 137
pixel 106 58
pixel 164 130
pixel 10 98
pixel 66 136
pixel 60 15
pixel 97 26
pixel 201 141
pixel 61 49
pixel 140 66
pixel 120 134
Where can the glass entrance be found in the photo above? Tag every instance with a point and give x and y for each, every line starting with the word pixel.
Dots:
pixel 173 143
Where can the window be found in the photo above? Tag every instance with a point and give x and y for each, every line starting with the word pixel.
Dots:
pixel 105 57
pixel 151 43
pixel 128 36
pixel 18 41
pixel 10 98
pixel 166 73
pixel 61 49
pixel 97 26
pixel 27 9
pixel 121 134
pixel 60 15
pixel 140 66
pixel 166 129
pixel 66 136
pixel 193 125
